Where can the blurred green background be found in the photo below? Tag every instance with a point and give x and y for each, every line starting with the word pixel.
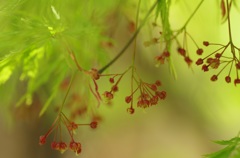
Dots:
pixel 195 112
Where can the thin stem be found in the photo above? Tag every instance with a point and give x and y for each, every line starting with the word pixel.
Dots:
pixel 224 48
pixel 69 87
pixel 229 23
pixel 134 51
pixel 135 40
pixel 230 31
pixel 194 12
pixel 54 125
pixel 72 54
pixel 130 40
pixel 223 68
pixel 188 20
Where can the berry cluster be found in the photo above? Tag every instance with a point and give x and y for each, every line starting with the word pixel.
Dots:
pixel 220 58
pixel 79 102
pixel 109 95
pixel 182 47
pixel 71 127
pixel 160 59
pixel 149 93
pixel 183 50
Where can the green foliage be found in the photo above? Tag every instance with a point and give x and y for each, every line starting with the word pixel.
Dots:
pixel 38 37
pixel 38 41
pixel 163 8
pixel 232 149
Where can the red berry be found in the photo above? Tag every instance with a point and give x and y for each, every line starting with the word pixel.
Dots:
pixel 128 99
pixel 206 43
pixel 199 51
pixel 161 95
pixel 238 65
pixel 158 83
pixel 130 110
pixel 108 95
pixel 93 124
pixel 154 87
pixel 214 78
pixel 54 145
pixel 166 54
pixel 154 100
pixel 62 147
pixel 228 79
pixel 111 80
pixel 199 61
pixel 115 88
pixel 42 140
pixel 75 146
pixel 205 68
pixel 237 81
pixel 218 55
pixel 210 60
pixel 182 51
pixel 188 60
pixel 72 126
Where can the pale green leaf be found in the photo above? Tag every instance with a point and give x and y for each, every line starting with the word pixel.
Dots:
pixel 224 153
pixel 228 142
pixel 5 74
pixel 48 102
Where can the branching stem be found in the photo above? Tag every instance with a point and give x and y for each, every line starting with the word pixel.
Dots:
pixel 135 40
pixel 130 40
pixel 229 22
pixel 69 87
pixel 194 12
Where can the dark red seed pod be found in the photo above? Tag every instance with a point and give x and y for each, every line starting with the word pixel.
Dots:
pixel 214 78
pixel 128 99
pixel 182 51
pixel 228 79
pixel 111 80
pixel 199 61
pixel 93 124
pixel 206 43
pixel 199 51
pixel 130 110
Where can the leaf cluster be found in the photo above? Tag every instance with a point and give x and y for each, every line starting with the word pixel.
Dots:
pixel 35 39
pixel 232 149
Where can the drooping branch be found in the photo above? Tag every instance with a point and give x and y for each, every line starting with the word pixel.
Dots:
pixel 130 40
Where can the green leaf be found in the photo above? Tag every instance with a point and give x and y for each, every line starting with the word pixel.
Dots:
pixel 46 105
pixel 228 142
pixel 237 153
pixel 31 63
pixel 53 94
pixel 163 10
pixel 228 151
pixel 224 153
pixel 5 74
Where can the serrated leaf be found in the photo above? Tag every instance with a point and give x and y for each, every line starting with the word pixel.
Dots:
pixel 46 105
pixel 236 153
pixel 31 63
pixel 224 153
pixel 5 74
pixel 227 142
pixel 53 94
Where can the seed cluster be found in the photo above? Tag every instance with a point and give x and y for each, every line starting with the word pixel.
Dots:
pixel 71 127
pixel 222 59
pixel 149 95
